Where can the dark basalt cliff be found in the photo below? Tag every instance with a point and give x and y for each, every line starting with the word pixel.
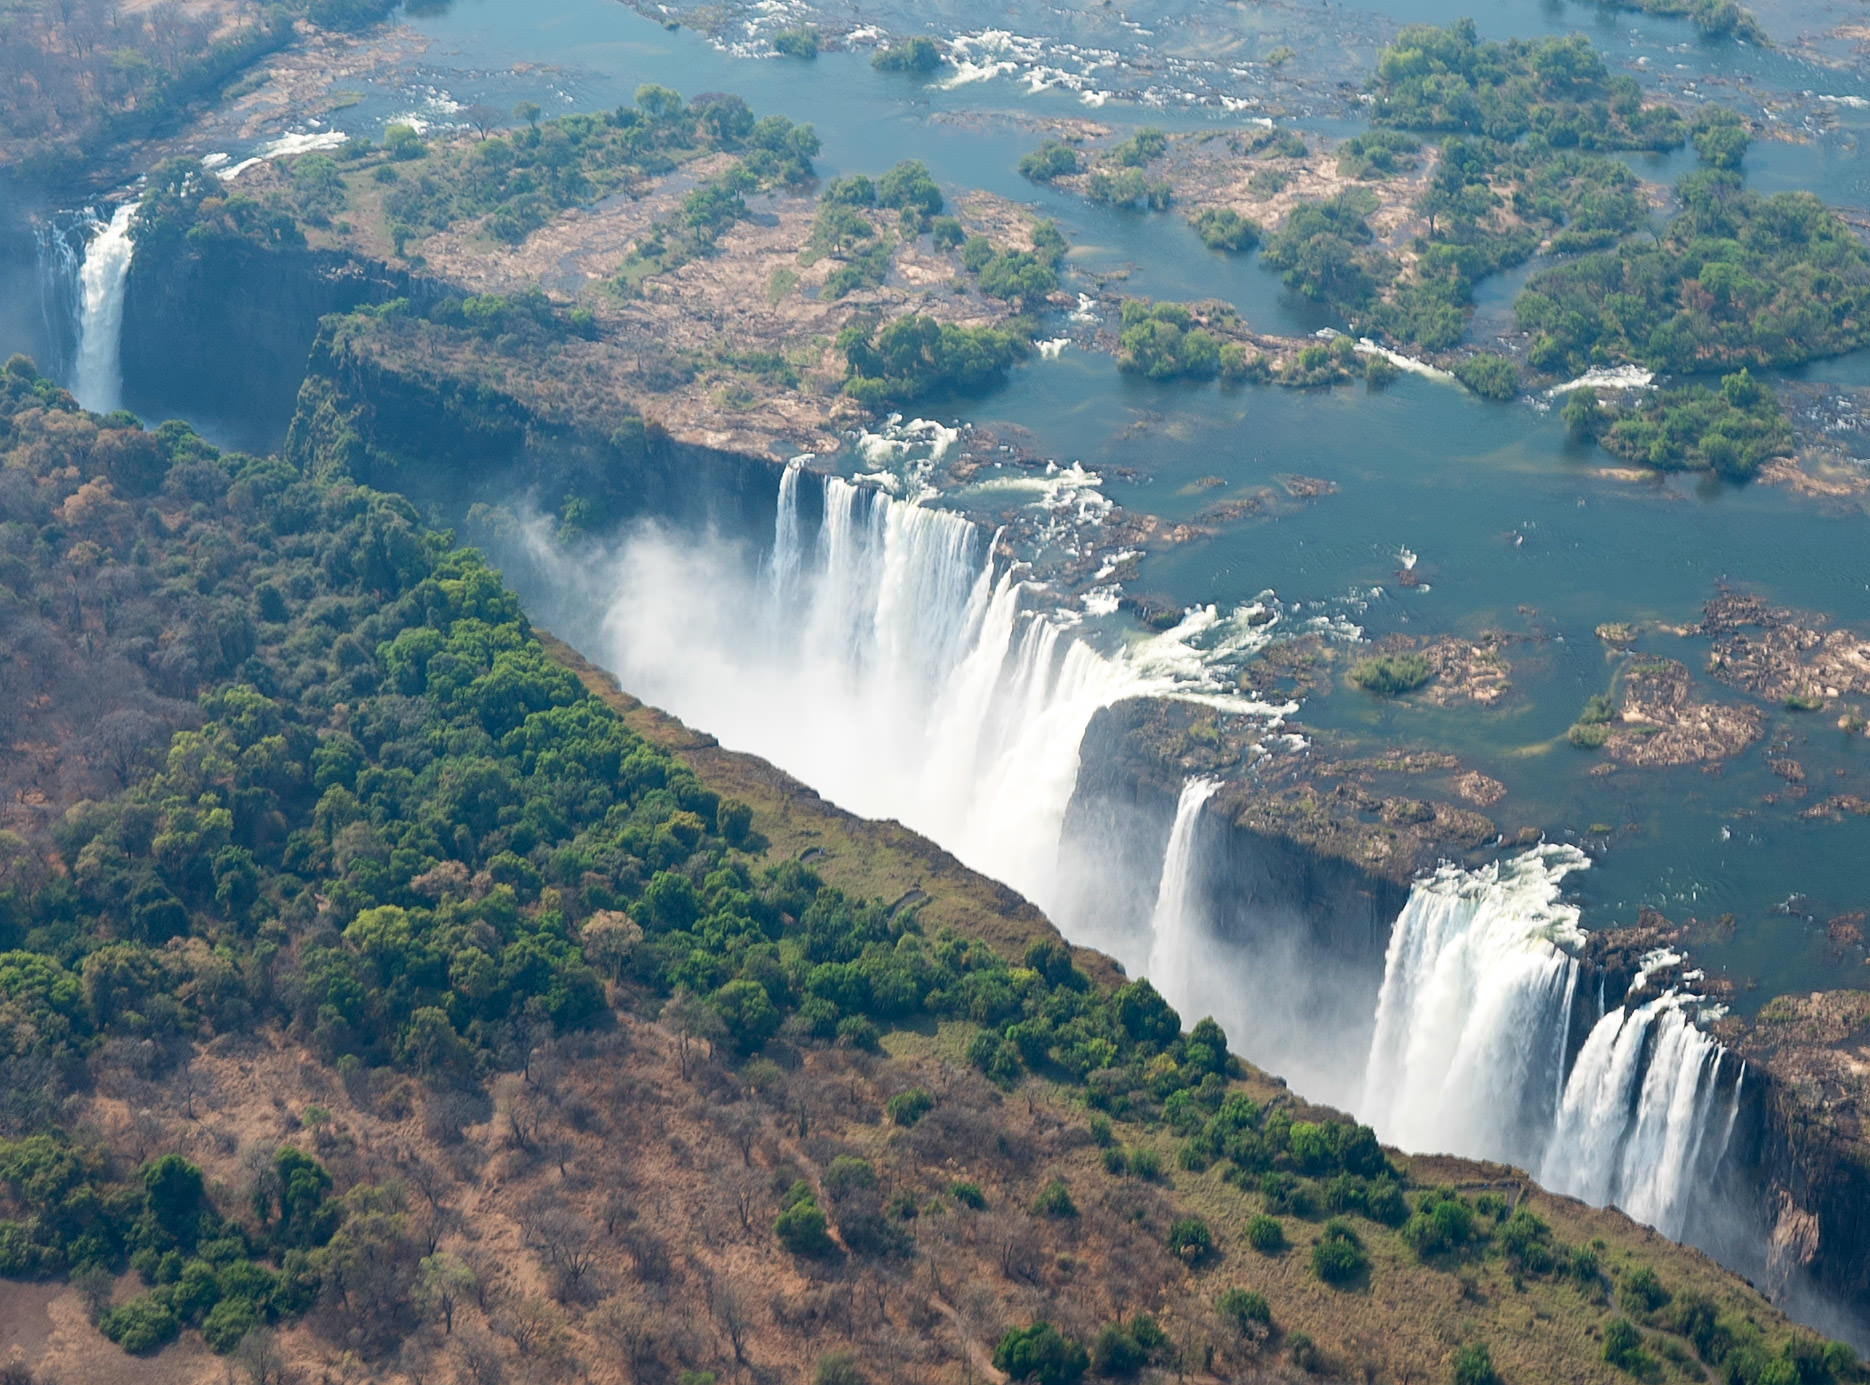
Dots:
pixel 379 405
pixel 221 330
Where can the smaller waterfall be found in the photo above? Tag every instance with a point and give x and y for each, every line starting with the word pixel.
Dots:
pixel 1636 1112
pixel 1177 949
pixel 1475 1004
pixel 97 374
pixel 61 288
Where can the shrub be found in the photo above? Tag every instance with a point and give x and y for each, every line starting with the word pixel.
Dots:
pixel 1623 1348
pixel 1473 1365
pixel 1054 1200
pixel 1050 160
pixel 968 1194
pixel 1489 376
pixel 1441 1223
pixel 1246 1308
pixel 1338 1256
pixel 1588 735
pixel 847 1175
pixel 801 1227
pixel 1190 1240
pixel 798 41
pixel 1642 1288
pixel 1040 1353
pixel 1266 1235
pixel 1116 1352
pixel 1100 1130
pixel 906 1108
pixel 837 1368
pixel 917 55
pixel 1391 675
pixel 141 1326
pixel 1223 228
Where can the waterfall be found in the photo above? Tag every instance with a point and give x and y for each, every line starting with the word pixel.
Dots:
pixel 1474 1008
pixel 97 375
pixel 1469 1055
pixel 1635 1113
pixel 1178 964
pixel 886 658
pixel 61 289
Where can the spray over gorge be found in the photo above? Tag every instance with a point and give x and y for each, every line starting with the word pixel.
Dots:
pixel 742 693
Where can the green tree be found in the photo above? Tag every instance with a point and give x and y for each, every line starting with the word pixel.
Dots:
pixel 1040 1352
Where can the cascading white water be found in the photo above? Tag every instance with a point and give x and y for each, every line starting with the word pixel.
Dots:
pixel 1474 1008
pixel 888 662
pixel 1469 1051
pixel 61 293
pixel 1636 1112
pixel 1176 949
pixel 97 375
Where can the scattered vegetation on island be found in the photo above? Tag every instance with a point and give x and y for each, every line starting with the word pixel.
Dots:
pixel 1732 431
pixel 1049 161
pixel 1223 228
pixel 1391 675
pixel 1735 279
pixel 1163 342
pixel 912 357
pixel 918 55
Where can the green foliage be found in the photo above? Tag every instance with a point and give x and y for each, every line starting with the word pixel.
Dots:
pixel 802 1226
pixel 838 1368
pixel 1040 1353
pixel 1391 675
pixel 1163 342
pixel 1378 154
pixel 1732 431
pixel 1223 228
pixel 968 1194
pixel 1050 160
pixel 1473 1365
pixel 1735 279
pixel 1143 147
pixel 1266 1234
pixel 916 55
pixel 1584 416
pixel 1190 1240
pixel 911 357
pixel 1338 1255
pixel 1324 253
pixel 1623 1348
pixel 1442 1224
pixel 1720 137
pixel 1054 1200
pixel 1120 1350
pixel 1128 187
pixel 1489 376
pixel 1447 80
pixel 1588 735
pixel 1642 1291
pixel 1246 1307
pixel 797 41
pixel 906 1108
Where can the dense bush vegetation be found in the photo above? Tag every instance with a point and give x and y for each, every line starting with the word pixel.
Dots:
pixel 1163 342
pixel 1223 228
pixel 1050 160
pixel 1488 375
pixel 1732 431
pixel 1391 675
pixel 1446 80
pixel 912 356
pixel 917 55
pixel 1735 279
